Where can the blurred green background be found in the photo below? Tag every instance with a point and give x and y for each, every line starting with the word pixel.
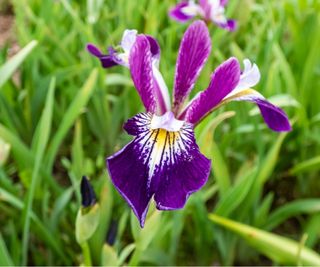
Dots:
pixel 61 115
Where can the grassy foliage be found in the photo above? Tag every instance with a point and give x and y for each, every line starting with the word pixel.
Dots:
pixel 64 115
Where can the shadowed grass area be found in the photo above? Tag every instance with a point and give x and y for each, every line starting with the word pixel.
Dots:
pixel 61 115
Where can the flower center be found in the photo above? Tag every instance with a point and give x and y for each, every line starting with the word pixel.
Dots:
pixel 167 122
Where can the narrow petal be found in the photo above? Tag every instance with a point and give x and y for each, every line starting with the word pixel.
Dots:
pixel 178 12
pixel 206 9
pixel 229 25
pixel 140 63
pixel 223 81
pixel 223 2
pixel 166 164
pixel 194 50
pixel 107 60
pixel 276 119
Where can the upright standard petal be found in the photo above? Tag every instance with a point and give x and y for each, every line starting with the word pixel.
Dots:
pixel 223 81
pixel 140 63
pixel 194 50
pixel 183 11
pixel 274 117
pixel 166 164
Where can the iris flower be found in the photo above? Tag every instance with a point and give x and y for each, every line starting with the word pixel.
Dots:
pixel 209 10
pixel 163 160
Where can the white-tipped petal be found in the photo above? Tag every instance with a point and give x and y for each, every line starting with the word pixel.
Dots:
pixel 128 39
pixel 192 9
pixel 249 78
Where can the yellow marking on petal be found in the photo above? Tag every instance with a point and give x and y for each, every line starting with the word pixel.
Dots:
pixel 162 140
pixel 163 137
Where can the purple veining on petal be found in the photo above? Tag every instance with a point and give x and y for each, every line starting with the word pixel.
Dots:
pixel 224 79
pixel 194 50
pixel 129 168
pixel 178 14
pixel 230 25
pixel 158 162
pixel 140 63
pixel 129 175
pixel 107 60
pixel 181 174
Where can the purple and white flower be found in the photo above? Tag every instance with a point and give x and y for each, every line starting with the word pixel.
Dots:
pixel 209 10
pixel 114 57
pixel 163 160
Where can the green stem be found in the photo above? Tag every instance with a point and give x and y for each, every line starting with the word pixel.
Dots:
pixel 86 254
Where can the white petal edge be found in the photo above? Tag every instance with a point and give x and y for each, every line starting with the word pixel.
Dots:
pixel 249 78
pixel 162 85
pixel 128 39
pixel 192 9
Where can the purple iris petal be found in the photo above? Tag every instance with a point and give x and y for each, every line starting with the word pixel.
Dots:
pixel 274 117
pixel 154 47
pixel 107 60
pixel 230 25
pixel 177 13
pixel 158 162
pixel 224 79
pixel 182 175
pixel 129 175
pixel 206 8
pixel 223 2
pixel 140 63
pixel 194 50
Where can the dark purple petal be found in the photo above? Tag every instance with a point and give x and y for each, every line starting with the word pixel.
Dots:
pixel 230 25
pixel 184 171
pixel 158 162
pixel 154 47
pixel 276 119
pixel 194 50
pixel 107 61
pixel 129 175
pixel 224 79
pixel 177 13
pixel 140 62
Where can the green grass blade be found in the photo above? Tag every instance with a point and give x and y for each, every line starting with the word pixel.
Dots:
pixel 9 67
pixel 277 248
pixel 43 230
pixel 70 116
pixel 306 166
pixel 270 161
pixel 44 130
pixel 291 209
pixel 5 259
